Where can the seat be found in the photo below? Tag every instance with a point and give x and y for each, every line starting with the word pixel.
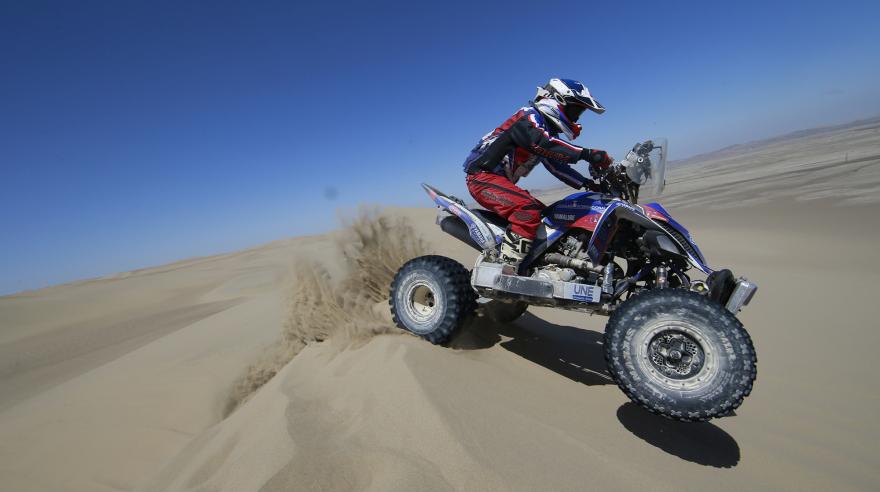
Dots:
pixel 491 217
pixel 548 210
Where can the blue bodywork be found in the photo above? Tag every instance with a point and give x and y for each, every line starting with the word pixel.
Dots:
pixel 593 212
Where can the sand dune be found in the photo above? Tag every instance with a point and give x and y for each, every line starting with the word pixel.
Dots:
pixel 122 383
pixel 840 164
pixel 529 406
pixel 102 380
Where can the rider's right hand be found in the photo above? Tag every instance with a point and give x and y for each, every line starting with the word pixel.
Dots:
pixel 591 185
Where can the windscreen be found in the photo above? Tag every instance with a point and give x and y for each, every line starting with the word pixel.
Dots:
pixel 646 164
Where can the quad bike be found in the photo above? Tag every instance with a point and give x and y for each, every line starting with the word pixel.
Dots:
pixel 673 343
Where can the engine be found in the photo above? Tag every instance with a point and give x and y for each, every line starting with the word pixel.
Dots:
pixel 553 273
pixel 568 261
pixel 574 246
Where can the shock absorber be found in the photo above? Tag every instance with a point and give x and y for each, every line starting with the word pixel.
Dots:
pixel 662 277
pixel 608 279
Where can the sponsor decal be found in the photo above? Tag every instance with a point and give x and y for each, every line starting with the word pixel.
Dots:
pixel 583 292
pixel 523 216
pixel 496 198
pixel 566 217
pixel 588 221
pixel 556 156
pixel 653 214
pixel 477 234
pixel 576 206
pixel 628 207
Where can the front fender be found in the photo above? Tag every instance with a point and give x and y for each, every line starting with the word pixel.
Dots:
pixel 619 210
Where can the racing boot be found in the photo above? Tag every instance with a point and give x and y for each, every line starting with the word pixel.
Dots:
pixel 514 249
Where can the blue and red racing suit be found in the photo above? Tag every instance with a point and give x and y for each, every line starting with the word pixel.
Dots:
pixel 510 152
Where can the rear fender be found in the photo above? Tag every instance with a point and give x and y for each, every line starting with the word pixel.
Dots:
pixel 483 234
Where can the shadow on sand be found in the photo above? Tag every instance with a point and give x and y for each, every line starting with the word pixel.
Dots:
pixel 699 442
pixel 578 355
pixel 568 351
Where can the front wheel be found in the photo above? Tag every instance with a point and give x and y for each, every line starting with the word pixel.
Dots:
pixel 431 296
pixel 680 355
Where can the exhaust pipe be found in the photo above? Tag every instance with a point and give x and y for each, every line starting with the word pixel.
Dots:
pixel 568 261
pixel 455 227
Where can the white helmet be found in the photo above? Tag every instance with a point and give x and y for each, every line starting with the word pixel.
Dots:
pixel 563 101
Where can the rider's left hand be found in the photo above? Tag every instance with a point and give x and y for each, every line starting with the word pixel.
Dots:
pixel 597 158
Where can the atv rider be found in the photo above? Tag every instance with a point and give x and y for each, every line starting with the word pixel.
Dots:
pixel 513 149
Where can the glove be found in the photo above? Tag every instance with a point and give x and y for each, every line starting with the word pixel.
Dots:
pixel 597 158
pixel 591 185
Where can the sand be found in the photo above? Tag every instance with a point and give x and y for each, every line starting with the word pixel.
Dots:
pixel 122 383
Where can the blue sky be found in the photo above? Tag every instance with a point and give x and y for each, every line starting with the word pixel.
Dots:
pixel 137 133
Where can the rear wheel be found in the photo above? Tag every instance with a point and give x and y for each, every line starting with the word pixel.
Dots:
pixel 680 355
pixel 431 296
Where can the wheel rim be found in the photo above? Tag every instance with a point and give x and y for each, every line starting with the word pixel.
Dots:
pixel 421 302
pixel 677 355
